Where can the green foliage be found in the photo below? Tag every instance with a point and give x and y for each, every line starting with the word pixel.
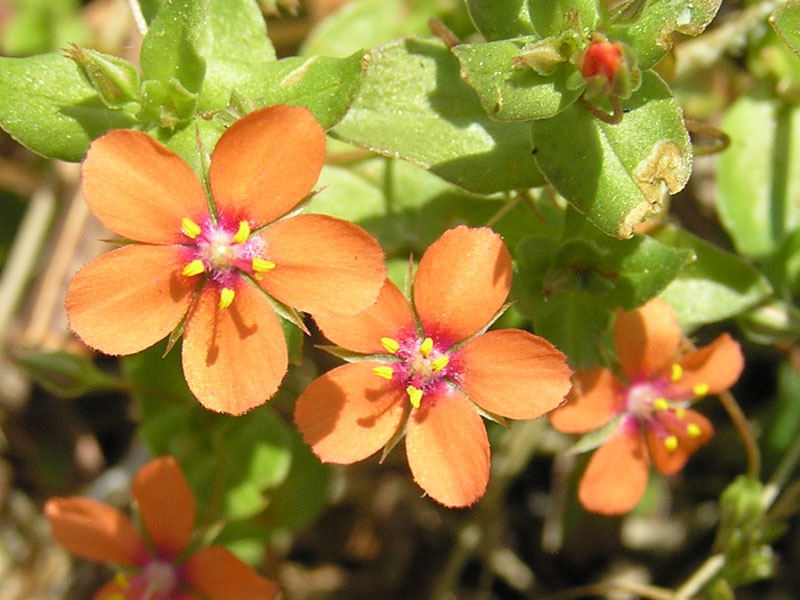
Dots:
pixel 617 174
pixel 414 105
pixel 64 374
pixel 38 26
pixel 786 22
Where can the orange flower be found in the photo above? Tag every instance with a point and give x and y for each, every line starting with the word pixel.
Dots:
pixel 651 405
pixel 203 259
pixel 428 374
pixel 157 565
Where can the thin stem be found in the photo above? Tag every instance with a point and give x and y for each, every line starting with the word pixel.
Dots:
pixel 781 475
pixel 740 422
pixel 721 140
pixel 507 207
pixel 612 118
pixel 705 573
pixel 596 589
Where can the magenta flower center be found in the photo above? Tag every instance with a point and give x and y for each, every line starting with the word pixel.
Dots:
pixel 158 580
pixel 423 365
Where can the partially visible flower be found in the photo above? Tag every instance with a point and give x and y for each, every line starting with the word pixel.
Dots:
pixel 158 563
pixel 212 261
pixel 651 403
pixel 430 371
pixel 609 69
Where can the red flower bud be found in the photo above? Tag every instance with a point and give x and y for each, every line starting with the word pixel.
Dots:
pixel 602 58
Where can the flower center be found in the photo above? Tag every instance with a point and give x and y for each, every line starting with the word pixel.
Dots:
pixel 422 365
pixel 156 581
pixel 222 251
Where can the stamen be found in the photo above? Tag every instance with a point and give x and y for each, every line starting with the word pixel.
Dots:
pixel 193 268
pixel 383 371
pixel 701 389
pixel 414 395
pixel 241 235
pixel 660 404
pixel 440 363
pixel 693 429
pixel 426 346
pixel 671 443
pixel 391 345
pixel 190 228
pixel 680 412
pixel 676 374
pixel 121 580
pixel 262 266
pixel 226 297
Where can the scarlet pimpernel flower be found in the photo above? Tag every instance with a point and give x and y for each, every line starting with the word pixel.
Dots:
pixel 430 371
pixel 650 402
pixel 159 563
pixel 215 261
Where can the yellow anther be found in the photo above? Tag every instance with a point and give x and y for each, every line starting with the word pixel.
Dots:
pixel 241 235
pixel 440 363
pixel 414 395
pixel 391 345
pixel 700 390
pixel 262 266
pixel 190 228
pixel 680 412
pixel 426 346
pixel 693 429
pixel 226 297
pixel 383 371
pixel 193 268
pixel 121 580
pixel 676 374
pixel 660 404
pixel 671 443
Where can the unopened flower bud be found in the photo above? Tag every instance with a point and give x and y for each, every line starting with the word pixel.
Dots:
pixel 115 79
pixel 609 69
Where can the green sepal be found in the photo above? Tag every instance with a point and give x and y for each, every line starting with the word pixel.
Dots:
pixel 64 374
pixel 595 439
pixel 115 79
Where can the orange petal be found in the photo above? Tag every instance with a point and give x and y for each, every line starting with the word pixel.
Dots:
pixel 349 413
pixel 390 316
pixel 94 531
pixel 717 366
pixel 323 265
pixel 462 281
pixel 616 477
pixel 668 462
pixel 130 298
pixel 166 505
pixel 266 163
pixel 448 450
pixel 595 399
pixel 513 373
pixel 646 339
pixel 234 358
pixel 219 575
pixel 140 189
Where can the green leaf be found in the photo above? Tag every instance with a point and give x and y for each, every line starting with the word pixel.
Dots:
pixel 147 8
pixel 501 20
pixel 510 93
pixel 184 141
pixel 571 289
pixel 367 24
pixel 170 48
pixel 326 86
pixel 236 50
pixel 759 174
pixel 64 374
pixel 553 17
pixel 414 105
pixel 49 107
pixel 716 286
pixel 617 174
pixel 38 26
pixel 651 36
pixel 786 22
